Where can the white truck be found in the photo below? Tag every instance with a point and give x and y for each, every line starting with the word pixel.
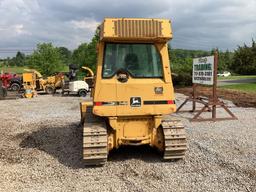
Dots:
pixel 224 74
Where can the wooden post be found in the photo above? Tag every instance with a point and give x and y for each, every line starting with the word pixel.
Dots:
pixel 194 97
pixel 214 89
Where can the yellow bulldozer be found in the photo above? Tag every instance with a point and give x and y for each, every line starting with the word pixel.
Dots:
pixel 133 95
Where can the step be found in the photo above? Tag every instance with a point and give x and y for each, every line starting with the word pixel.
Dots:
pixel 176 145
pixel 174 157
pixel 94 134
pixel 167 149
pixel 93 145
pixel 174 137
pixel 93 153
pixel 95 157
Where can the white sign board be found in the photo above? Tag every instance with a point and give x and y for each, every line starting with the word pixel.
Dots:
pixel 203 70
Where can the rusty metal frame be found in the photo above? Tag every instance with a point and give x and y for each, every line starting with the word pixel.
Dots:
pixel 209 106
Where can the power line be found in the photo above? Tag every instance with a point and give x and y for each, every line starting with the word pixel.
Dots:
pixel 16 50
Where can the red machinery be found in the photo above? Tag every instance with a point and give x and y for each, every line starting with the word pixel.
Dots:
pixel 11 81
pixel 6 79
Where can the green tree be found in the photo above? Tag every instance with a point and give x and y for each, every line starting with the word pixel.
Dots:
pixel 92 51
pixel 79 54
pixel 86 54
pixel 65 55
pixel 8 60
pixel 19 60
pixel 244 61
pixel 4 63
pixel 46 59
pixel 224 60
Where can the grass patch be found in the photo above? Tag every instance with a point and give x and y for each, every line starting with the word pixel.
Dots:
pixel 20 70
pixel 237 77
pixel 66 69
pixel 245 87
pixel 14 69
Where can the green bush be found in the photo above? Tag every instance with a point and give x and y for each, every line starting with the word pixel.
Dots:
pixel 182 72
pixel 183 79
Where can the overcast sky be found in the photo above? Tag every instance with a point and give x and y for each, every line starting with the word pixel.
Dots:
pixel 197 24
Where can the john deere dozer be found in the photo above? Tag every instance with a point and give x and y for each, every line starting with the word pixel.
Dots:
pixel 133 94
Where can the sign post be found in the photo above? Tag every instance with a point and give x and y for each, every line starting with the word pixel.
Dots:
pixel 205 73
pixel 214 88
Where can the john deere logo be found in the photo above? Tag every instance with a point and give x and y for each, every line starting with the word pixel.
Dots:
pixel 135 101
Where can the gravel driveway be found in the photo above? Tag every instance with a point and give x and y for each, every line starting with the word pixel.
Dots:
pixel 40 150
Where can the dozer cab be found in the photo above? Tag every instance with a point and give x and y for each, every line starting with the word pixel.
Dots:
pixel 133 94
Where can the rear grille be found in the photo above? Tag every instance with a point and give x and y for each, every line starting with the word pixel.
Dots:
pixel 138 28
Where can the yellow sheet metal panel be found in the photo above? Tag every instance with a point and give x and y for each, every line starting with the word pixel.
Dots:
pixel 28 77
pixel 127 29
pixel 163 50
pixel 114 97
pixel 132 130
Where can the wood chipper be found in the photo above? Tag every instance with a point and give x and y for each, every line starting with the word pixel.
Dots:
pixel 89 77
pixel 133 94
pixel 50 84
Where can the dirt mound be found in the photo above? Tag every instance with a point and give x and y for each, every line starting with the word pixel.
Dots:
pixel 240 99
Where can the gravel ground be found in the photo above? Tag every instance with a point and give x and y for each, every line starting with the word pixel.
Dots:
pixel 40 150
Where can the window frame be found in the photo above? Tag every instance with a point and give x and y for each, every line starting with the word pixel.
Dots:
pixel 135 77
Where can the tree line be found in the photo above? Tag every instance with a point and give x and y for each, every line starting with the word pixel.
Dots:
pixel 244 59
pixel 182 59
pixel 49 59
pixel 240 61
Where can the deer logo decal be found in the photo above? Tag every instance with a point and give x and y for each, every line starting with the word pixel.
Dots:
pixel 135 101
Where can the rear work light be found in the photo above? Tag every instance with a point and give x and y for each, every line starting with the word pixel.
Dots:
pixel 170 102
pixel 97 103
